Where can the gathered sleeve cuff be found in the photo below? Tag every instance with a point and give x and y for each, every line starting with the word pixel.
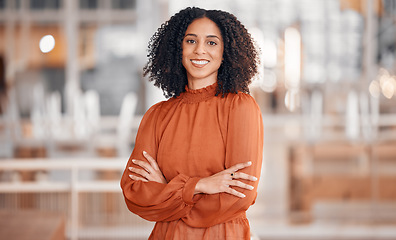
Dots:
pixel 188 191
pixel 159 202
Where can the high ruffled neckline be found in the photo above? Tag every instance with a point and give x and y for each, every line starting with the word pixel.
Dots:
pixel 199 95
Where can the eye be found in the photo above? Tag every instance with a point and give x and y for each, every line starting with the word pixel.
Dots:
pixel 190 41
pixel 212 43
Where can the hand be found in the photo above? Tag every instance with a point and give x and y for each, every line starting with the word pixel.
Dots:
pixel 221 181
pixel 149 171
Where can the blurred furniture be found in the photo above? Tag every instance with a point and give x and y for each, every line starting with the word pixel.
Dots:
pixel 29 151
pixel 112 141
pixel 343 181
pixel 90 213
pixel 31 224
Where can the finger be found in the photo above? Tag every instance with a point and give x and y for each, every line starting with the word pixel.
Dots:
pixel 239 166
pixel 241 184
pixel 241 175
pixel 136 178
pixel 139 171
pixel 235 192
pixel 145 165
pixel 151 160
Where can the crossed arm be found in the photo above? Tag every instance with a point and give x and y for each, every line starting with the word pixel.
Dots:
pixel 217 183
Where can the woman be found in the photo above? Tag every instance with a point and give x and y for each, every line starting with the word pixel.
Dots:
pixel 197 156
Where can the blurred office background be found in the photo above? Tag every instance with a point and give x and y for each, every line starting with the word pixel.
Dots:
pixel 72 96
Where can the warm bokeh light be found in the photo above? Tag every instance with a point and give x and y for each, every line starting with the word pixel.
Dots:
pixel 269 82
pixel 383 77
pixel 47 43
pixel 270 53
pixel 374 89
pixel 386 83
pixel 388 88
pixel 292 100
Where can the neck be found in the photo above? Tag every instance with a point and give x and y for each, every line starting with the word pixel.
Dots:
pixel 201 83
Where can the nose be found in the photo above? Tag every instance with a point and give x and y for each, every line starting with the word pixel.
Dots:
pixel 200 48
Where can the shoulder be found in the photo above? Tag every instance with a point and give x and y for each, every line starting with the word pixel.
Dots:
pixel 161 108
pixel 242 101
pixel 154 109
pixel 152 113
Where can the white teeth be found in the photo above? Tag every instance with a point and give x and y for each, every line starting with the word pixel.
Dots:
pixel 202 62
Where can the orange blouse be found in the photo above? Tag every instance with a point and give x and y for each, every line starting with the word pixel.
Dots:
pixel 194 136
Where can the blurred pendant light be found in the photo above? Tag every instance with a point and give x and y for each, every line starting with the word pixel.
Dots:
pixel 47 43
pixel 292 68
pixel 292 58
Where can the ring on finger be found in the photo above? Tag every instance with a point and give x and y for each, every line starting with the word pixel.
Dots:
pixel 232 175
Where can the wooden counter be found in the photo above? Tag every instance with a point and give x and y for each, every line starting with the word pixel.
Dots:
pixel 31 225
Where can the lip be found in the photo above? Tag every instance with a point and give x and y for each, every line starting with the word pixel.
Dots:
pixel 199 62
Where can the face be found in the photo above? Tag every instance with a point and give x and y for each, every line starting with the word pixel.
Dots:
pixel 202 52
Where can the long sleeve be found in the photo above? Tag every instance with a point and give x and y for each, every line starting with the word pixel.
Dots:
pixel 151 200
pixel 244 142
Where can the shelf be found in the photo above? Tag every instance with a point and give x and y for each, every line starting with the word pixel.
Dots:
pixel 82 186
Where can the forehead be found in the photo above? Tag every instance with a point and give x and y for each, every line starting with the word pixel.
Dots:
pixel 203 26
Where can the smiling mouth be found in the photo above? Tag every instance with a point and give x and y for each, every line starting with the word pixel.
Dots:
pixel 199 63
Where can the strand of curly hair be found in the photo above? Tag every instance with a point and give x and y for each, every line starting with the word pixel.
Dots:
pixel 164 66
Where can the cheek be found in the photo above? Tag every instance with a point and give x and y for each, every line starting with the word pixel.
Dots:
pixel 218 52
pixel 184 60
pixel 184 57
pixel 219 55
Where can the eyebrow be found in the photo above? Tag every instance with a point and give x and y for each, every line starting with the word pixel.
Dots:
pixel 195 35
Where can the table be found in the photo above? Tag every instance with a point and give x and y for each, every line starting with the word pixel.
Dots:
pixel 31 225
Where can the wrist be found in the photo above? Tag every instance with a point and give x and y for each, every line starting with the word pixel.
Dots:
pixel 198 187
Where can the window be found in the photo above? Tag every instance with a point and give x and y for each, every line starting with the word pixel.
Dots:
pixel 88 4
pixel 10 4
pixel 45 4
pixel 123 4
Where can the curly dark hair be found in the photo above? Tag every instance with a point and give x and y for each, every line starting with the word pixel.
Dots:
pixel 164 65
